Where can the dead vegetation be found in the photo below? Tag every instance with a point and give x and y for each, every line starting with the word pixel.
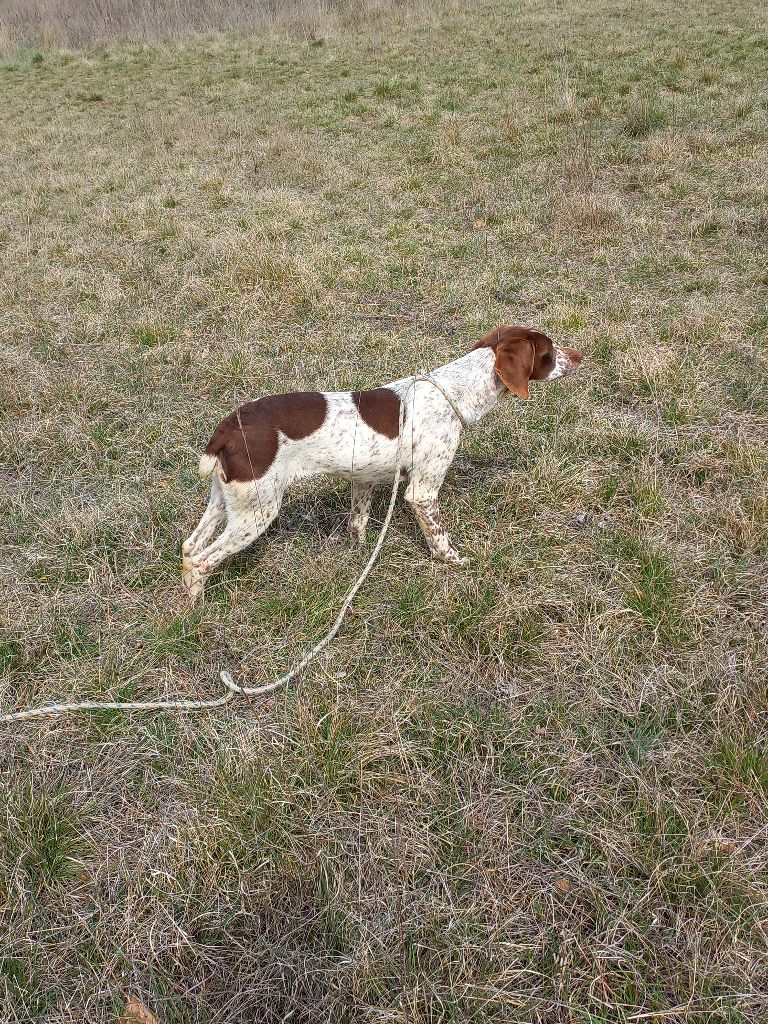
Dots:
pixel 54 25
pixel 535 790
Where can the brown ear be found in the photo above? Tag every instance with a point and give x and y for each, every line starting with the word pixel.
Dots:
pixel 501 333
pixel 514 364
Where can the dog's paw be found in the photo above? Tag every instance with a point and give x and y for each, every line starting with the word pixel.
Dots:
pixel 453 558
pixel 193 583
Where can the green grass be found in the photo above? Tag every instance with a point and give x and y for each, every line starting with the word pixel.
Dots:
pixel 40 835
pixel 532 790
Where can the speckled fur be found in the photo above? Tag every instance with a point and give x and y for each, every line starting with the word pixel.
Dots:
pixel 344 445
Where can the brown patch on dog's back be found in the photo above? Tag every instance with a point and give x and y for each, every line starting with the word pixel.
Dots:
pixel 380 409
pixel 246 441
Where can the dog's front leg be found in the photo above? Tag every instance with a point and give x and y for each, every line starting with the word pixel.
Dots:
pixel 427 513
pixel 362 495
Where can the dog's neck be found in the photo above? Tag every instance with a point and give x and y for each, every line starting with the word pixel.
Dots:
pixel 472 383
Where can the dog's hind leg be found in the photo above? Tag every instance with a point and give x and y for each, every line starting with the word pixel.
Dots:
pixel 205 531
pixel 249 513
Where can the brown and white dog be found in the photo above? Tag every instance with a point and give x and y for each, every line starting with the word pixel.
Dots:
pixel 263 447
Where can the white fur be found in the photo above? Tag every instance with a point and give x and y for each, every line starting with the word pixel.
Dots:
pixel 562 365
pixel 346 446
pixel 207 465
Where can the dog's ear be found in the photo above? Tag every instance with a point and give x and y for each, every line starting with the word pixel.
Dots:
pixel 514 364
pixel 495 337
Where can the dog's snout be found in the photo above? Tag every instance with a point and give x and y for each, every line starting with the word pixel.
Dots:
pixel 574 355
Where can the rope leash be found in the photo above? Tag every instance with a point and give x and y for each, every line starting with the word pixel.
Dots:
pixel 231 686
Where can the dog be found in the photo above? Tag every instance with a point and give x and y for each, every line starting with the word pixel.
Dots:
pixel 263 447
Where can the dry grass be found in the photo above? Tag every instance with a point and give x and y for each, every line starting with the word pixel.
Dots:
pixel 53 25
pixel 536 790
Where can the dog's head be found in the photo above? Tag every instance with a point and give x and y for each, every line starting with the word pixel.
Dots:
pixel 523 355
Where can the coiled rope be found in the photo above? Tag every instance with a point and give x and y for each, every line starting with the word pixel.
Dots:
pixel 233 688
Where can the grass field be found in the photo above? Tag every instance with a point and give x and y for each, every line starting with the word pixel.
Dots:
pixel 534 790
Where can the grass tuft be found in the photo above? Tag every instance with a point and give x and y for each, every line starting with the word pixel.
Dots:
pixel 642 117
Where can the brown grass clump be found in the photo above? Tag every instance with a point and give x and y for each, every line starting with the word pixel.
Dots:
pixel 532 791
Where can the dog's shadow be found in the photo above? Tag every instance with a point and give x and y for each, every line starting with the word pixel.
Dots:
pixel 468 473
pixel 320 513
pixel 317 513
pixel 313 517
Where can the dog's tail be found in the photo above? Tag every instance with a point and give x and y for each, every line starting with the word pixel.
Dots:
pixel 211 458
pixel 207 465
